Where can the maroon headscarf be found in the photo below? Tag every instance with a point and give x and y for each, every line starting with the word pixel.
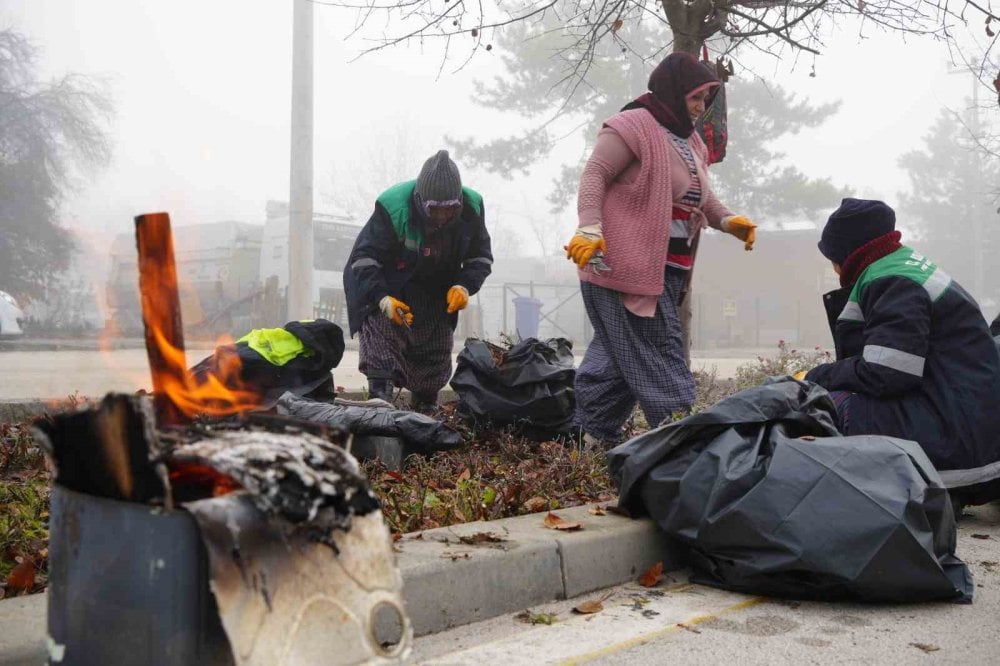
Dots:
pixel 669 85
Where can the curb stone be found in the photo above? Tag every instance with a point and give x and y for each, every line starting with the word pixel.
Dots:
pixel 447 583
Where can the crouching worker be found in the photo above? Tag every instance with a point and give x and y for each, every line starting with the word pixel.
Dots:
pixel 423 252
pixel 270 361
pixel 915 358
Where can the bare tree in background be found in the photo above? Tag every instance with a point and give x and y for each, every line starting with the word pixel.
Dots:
pixel 773 26
pixel 506 241
pixel 49 132
pixel 355 181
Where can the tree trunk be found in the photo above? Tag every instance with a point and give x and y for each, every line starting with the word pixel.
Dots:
pixel 690 23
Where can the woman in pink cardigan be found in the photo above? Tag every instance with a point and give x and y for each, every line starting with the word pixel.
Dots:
pixel 644 198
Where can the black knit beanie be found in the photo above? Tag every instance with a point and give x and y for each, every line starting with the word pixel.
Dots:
pixel 856 222
pixel 439 180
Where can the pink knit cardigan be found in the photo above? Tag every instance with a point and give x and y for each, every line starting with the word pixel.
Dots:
pixel 635 216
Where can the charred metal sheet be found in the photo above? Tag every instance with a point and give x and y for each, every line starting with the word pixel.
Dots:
pixel 128 584
pixel 285 599
pixel 110 451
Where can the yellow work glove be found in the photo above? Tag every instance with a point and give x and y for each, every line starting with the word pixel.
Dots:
pixel 800 375
pixel 396 311
pixel 585 242
pixel 742 228
pixel 458 298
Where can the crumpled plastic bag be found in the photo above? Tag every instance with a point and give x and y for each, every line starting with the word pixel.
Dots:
pixel 377 417
pixel 769 499
pixel 530 388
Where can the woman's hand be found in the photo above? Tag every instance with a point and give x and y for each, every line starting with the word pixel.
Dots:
pixel 584 243
pixel 742 228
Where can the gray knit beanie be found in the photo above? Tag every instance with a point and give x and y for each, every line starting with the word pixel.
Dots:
pixel 439 182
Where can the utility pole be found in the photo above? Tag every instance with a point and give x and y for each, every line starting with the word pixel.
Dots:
pixel 300 198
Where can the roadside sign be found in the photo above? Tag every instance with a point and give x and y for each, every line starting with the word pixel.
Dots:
pixel 728 307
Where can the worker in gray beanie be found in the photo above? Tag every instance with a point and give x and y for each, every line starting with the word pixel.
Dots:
pixel 423 252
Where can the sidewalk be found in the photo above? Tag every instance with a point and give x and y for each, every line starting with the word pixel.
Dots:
pixel 447 583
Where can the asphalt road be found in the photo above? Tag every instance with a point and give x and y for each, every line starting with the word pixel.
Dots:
pixel 680 623
pixel 51 375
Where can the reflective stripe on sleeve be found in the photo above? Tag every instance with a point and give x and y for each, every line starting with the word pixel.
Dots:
pixel 902 361
pixel 362 263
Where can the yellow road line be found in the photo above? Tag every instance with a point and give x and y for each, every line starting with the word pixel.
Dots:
pixel 652 636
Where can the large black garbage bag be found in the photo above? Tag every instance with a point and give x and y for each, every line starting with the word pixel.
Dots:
pixel 422 432
pixel 770 499
pixel 531 387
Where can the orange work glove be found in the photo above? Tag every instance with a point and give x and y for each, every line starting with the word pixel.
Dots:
pixel 800 375
pixel 742 228
pixel 585 242
pixel 458 298
pixel 396 311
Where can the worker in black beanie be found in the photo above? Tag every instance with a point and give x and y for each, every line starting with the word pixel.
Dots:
pixel 915 358
pixel 423 252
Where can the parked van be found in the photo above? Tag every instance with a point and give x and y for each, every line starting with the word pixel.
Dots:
pixel 333 239
pixel 10 317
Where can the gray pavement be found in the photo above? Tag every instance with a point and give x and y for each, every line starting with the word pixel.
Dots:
pixel 692 624
pixel 448 584
pixel 51 375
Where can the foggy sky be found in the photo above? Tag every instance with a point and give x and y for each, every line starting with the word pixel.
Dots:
pixel 203 90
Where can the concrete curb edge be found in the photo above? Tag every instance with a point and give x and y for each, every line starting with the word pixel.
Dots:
pixel 447 583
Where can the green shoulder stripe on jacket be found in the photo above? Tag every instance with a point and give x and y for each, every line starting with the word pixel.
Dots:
pixel 905 263
pixel 396 202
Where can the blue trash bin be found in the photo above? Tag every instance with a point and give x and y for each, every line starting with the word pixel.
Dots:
pixel 527 314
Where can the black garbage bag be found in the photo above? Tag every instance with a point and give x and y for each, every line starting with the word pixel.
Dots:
pixel 770 499
pixel 529 387
pixel 423 433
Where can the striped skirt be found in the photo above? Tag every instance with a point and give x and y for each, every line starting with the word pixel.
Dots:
pixel 632 359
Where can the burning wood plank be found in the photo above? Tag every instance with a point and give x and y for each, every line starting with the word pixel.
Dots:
pixel 178 396
pixel 161 310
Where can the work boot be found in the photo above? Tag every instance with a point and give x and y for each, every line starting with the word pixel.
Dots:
pixel 381 389
pixel 424 402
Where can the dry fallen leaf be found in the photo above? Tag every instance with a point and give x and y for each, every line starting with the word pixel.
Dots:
pixel 652 576
pixel 536 618
pixel 554 522
pixel 22 577
pixel 481 537
pixel 598 511
pixel 588 607
pixel 688 627
pixel 465 475
pixel 618 511
pixel 536 504
pixel 454 556
pixel 926 647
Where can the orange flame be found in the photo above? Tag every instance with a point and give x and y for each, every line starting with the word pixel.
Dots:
pixel 221 393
